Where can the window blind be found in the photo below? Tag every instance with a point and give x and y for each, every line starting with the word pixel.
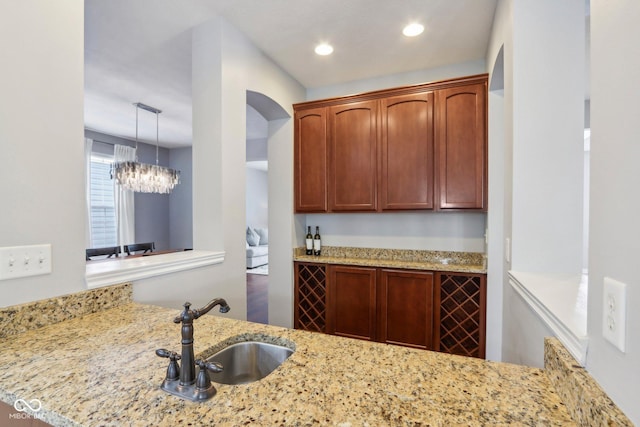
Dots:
pixel 103 213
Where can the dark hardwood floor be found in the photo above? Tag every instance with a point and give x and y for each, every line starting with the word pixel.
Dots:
pixel 257 298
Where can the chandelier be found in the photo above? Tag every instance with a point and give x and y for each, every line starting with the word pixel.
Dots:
pixel 143 177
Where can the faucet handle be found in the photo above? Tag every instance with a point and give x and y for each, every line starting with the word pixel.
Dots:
pixel 203 381
pixel 211 366
pixel 173 371
pixel 172 355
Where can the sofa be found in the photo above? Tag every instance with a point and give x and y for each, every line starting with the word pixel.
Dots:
pixel 257 247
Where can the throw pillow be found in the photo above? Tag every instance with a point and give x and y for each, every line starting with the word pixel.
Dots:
pixel 252 237
pixel 264 235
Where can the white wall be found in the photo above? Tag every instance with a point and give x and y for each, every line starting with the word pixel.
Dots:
pixel 41 140
pixel 448 231
pixel 395 80
pixel 500 59
pixel 615 64
pixel 257 197
pixel 226 65
pixel 548 129
pixel 614 205
pixel 542 123
pixel 524 332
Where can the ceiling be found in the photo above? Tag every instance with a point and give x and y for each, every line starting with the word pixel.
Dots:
pixel 140 51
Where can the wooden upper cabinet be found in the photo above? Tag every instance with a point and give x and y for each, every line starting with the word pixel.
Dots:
pixel 461 146
pixel 406 308
pixel 351 302
pixel 416 147
pixel 406 172
pixel 310 151
pixel 353 156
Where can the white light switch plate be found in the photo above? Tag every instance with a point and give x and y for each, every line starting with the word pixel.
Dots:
pixel 614 312
pixel 22 261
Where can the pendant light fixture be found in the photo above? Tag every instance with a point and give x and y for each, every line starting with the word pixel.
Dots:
pixel 143 177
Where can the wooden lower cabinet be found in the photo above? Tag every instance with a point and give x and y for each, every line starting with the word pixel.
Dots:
pixel 351 302
pixel 405 308
pixel 440 311
pixel 460 312
pixel 310 305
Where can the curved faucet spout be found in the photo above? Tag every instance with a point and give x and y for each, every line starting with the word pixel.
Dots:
pixel 189 315
pixel 224 307
pixel 188 369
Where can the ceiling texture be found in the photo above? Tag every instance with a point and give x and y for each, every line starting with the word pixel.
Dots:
pixel 140 51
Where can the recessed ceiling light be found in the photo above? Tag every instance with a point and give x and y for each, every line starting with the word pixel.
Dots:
pixel 413 30
pixel 324 49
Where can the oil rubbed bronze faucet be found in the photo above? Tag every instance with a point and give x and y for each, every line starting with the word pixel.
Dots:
pixel 182 381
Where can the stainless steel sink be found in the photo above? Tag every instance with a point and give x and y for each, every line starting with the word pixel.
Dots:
pixel 248 361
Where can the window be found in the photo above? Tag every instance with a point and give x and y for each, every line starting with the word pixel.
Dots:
pixel 103 213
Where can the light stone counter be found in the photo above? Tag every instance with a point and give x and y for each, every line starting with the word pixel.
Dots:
pixel 100 369
pixel 457 262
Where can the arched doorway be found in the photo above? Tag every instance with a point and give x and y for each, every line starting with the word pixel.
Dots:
pixel 263 114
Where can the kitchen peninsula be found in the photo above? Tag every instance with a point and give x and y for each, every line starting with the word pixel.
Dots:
pixel 97 366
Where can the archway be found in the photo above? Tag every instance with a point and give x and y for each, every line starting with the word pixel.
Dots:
pixel 263 114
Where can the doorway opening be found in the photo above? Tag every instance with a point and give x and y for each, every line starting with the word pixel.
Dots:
pixel 262 114
pixel 257 216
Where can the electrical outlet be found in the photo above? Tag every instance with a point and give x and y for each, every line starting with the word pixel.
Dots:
pixel 22 261
pixel 614 312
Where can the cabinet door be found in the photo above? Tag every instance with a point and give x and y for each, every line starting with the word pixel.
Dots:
pixel 460 313
pixel 310 151
pixel 310 297
pixel 406 308
pixel 461 145
pixel 352 156
pixel 351 302
pixel 406 173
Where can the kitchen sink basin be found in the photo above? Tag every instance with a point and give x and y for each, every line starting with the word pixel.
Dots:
pixel 248 361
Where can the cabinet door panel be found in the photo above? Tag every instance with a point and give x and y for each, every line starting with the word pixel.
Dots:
pixel 352 302
pixel 406 308
pixel 310 151
pixel 406 175
pixel 352 156
pixel 461 145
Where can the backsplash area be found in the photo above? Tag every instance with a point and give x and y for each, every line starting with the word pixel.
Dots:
pixel 436 231
pixel 33 315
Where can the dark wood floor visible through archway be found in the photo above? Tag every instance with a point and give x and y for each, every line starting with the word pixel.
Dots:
pixel 257 298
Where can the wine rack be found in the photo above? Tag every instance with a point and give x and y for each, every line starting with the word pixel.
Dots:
pixel 460 313
pixel 310 297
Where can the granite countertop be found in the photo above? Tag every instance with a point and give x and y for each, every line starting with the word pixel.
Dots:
pixel 457 262
pixel 101 369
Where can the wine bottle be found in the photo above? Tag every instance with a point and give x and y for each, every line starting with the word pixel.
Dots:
pixel 309 241
pixel 317 244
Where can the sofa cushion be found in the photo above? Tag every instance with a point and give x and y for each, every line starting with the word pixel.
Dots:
pixel 264 235
pixel 255 251
pixel 253 238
